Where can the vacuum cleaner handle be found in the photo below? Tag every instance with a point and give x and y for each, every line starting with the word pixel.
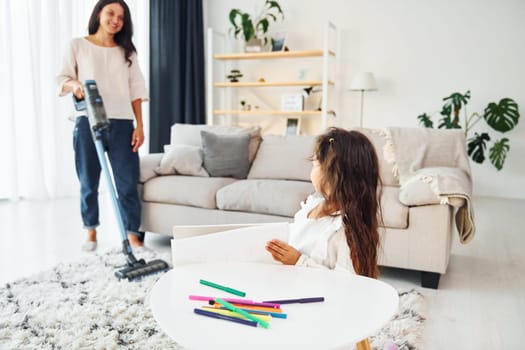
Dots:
pixel 95 107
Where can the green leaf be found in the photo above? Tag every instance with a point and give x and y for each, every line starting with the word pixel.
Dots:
pixel 448 123
pixel 498 152
pixel 457 100
pixel 446 110
pixel 247 27
pixel 476 147
pixel 233 15
pixel 503 116
pixel 274 4
pixel 453 105
pixel 425 120
pixel 272 16
pixel 263 25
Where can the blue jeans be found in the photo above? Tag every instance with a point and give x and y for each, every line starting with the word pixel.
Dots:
pixel 125 167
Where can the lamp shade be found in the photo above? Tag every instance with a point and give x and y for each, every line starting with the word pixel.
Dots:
pixel 364 81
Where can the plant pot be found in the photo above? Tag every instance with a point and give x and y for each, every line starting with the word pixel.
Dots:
pixel 254 45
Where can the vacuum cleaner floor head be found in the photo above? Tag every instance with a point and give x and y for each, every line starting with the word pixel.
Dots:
pixel 141 269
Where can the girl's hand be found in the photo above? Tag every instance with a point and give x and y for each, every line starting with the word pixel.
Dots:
pixel 283 252
pixel 137 139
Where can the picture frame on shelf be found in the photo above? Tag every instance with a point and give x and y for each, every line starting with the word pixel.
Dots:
pixel 313 98
pixel 293 126
pixel 292 102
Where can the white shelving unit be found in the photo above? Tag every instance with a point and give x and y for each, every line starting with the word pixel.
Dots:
pixel 220 92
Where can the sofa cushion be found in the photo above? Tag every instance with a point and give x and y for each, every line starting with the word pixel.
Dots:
pixel 183 160
pixel 276 197
pixel 188 134
pixel 184 190
pixel 226 155
pixel 394 213
pixel 283 158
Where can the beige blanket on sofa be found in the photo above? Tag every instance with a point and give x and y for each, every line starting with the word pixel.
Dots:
pixel 439 159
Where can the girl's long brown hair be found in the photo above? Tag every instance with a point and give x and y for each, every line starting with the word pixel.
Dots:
pixel 350 179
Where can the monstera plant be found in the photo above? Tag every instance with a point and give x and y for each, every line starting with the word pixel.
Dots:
pixel 502 117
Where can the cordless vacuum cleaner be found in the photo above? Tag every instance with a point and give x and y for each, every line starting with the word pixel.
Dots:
pixel 99 124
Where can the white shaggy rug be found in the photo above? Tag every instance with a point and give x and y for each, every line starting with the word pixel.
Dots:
pixel 82 305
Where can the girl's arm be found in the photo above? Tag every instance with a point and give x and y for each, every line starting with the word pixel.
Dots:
pixel 283 252
pixel 338 255
pixel 137 138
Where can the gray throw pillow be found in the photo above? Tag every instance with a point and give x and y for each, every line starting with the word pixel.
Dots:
pixel 190 134
pixel 226 155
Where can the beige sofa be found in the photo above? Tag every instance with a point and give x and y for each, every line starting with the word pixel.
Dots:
pixel 417 215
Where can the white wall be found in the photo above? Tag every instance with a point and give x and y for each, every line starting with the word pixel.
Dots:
pixel 420 52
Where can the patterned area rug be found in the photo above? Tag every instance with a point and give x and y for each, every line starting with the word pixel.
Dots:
pixel 82 305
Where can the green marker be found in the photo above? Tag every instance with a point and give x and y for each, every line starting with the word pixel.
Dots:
pixel 224 288
pixel 231 307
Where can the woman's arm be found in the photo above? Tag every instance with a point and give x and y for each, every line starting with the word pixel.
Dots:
pixel 75 87
pixel 67 78
pixel 137 139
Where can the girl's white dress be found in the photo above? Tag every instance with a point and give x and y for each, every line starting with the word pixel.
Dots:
pixel 322 242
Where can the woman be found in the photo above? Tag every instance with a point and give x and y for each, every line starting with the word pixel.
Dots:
pixel 108 56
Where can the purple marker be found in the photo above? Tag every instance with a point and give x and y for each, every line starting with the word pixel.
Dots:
pixel 295 301
pixel 224 317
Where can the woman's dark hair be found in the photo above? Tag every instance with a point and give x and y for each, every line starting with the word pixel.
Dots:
pixel 349 183
pixel 122 38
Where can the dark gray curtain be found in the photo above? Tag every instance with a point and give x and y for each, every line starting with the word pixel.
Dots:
pixel 176 67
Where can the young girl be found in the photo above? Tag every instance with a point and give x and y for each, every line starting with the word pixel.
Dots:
pixel 108 56
pixel 337 228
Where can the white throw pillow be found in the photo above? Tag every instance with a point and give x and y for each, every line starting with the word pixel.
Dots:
pixel 183 160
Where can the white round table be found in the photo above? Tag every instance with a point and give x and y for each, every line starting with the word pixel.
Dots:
pixel 355 307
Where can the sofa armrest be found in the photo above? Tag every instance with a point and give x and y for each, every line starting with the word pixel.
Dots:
pixel 148 164
pixel 439 185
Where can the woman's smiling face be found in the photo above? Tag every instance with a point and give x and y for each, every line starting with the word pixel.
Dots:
pixel 111 18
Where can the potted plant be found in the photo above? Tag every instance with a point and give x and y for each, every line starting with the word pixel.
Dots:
pixel 253 29
pixel 234 75
pixel 502 117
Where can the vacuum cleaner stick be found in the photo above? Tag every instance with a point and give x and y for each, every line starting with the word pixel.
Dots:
pixel 99 122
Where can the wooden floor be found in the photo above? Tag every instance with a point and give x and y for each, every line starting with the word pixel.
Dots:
pixel 480 303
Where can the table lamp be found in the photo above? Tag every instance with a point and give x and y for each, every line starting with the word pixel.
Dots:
pixel 363 81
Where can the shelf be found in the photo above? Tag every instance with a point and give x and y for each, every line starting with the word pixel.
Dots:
pixel 270 112
pixel 275 83
pixel 270 55
pixel 222 95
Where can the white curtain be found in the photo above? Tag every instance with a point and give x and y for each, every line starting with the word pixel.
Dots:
pixel 36 149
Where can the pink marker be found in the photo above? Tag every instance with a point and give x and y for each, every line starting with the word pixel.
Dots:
pixel 236 301
pixel 230 300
